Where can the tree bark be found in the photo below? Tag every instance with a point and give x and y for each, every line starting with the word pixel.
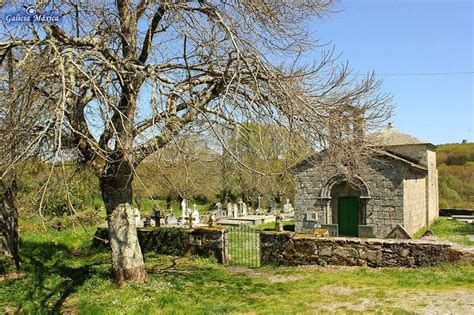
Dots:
pixel 9 241
pixel 127 258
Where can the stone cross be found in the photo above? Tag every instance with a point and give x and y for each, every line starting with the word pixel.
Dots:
pixel 156 215
pixel 259 200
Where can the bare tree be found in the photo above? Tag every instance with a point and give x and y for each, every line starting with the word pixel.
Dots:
pixel 123 81
pixel 17 129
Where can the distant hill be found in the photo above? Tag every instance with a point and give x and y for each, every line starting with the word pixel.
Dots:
pixel 456 175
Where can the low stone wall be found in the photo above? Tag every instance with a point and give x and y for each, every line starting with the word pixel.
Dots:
pixel 204 242
pixel 283 248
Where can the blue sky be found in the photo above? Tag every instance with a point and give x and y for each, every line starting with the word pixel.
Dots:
pixel 413 36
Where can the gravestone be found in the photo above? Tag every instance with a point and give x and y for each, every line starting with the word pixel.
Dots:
pixel 244 209
pixel 288 208
pixel 182 220
pixel 138 220
pixel 398 232
pixel 171 219
pixel 219 211
pixel 195 215
pixel 184 208
pixel 251 211
pixel 235 211
pixel 273 205
pixel 218 207
pixel 230 210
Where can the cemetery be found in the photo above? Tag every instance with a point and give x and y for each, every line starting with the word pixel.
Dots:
pixel 236 157
pixel 233 240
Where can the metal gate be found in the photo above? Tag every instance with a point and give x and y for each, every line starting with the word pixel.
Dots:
pixel 243 246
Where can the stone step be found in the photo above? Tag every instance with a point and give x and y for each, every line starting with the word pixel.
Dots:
pixel 463 217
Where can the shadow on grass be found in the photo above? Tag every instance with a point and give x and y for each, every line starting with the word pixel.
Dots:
pixel 54 272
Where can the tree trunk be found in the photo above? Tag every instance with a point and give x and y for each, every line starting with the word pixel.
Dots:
pixel 127 258
pixel 9 240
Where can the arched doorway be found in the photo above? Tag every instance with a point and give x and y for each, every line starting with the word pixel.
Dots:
pixel 345 204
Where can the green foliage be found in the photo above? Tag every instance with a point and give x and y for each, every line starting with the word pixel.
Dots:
pixel 57 189
pixel 462 151
pixel 456 175
pixel 451 230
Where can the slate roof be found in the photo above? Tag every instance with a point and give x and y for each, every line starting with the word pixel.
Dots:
pixel 391 136
pixel 381 140
pixel 391 156
pixel 396 157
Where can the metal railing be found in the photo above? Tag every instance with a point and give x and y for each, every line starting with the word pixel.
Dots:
pixel 243 246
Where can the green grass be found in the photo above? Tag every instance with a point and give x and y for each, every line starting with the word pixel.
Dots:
pixel 62 273
pixel 450 230
pixel 271 225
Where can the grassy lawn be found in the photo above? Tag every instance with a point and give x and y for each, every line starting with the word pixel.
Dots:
pixel 450 230
pixel 62 273
pixel 271 225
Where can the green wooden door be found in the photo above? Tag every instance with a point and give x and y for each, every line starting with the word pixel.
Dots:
pixel 348 216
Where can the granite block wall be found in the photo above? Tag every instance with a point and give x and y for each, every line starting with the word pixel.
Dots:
pixel 383 210
pixel 290 249
pixel 204 242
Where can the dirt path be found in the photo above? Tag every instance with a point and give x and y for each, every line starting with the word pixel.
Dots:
pixel 424 302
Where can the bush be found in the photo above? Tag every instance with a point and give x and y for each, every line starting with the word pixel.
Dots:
pixel 457 159
pixel 36 183
pixel 456 183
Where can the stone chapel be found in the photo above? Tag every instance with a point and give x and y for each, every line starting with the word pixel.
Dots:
pixel 400 188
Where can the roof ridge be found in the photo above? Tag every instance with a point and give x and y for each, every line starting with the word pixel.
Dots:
pixel 390 136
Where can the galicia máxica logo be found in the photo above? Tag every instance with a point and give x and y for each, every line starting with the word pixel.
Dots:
pixel 30 15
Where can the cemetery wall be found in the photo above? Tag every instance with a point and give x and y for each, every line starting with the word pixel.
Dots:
pixel 285 248
pixel 206 242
